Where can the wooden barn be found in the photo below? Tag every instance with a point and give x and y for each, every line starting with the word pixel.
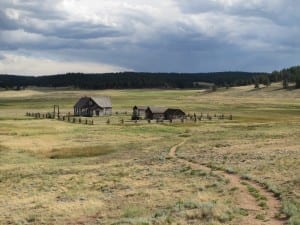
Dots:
pixel 162 113
pixel 155 113
pixel 139 112
pixel 93 106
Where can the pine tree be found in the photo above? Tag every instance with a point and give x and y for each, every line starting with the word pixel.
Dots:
pixel 285 82
pixel 256 82
pixel 298 81
pixel 266 81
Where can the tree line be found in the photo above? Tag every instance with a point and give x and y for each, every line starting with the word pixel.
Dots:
pixel 136 80
pixel 289 77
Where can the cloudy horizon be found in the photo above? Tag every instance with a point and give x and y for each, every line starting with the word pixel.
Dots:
pixel 59 36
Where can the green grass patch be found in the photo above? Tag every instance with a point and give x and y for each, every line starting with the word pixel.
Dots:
pixel 256 194
pixel 260 217
pixel 133 212
pixel 89 151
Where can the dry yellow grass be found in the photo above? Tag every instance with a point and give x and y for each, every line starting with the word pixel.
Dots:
pixel 53 172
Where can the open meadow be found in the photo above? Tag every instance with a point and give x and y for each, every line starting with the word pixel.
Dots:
pixel 241 171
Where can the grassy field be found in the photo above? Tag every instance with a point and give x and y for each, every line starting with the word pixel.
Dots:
pixel 54 172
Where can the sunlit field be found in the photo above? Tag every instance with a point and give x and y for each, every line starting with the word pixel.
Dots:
pixel 58 172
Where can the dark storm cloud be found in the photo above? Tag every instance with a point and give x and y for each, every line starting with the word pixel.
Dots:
pixel 34 9
pixel 40 18
pixel 197 6
pixel 175 53
pixel 186 36
pixel 6 23
pixel 189 40
pixel 75 30
pixel 284 12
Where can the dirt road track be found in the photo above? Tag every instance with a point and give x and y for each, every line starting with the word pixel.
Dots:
pixel 246 200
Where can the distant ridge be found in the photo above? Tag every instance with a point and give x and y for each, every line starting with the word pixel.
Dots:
pixel 127 80
pixel 136 80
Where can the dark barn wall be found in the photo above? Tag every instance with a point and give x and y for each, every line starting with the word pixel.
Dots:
pixel 174 114
pixel 149 114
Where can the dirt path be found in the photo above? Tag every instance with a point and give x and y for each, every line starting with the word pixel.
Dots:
pixel 245 199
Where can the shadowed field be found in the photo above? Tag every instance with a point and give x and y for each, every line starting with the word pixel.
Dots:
pixel 53 172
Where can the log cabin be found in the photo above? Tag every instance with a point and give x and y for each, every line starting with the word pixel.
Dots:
pixel 93 106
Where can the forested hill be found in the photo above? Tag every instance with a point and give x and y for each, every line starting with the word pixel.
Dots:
pixel 126 80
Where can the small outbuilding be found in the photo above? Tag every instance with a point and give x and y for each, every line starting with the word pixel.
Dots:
pixel 139 112
pixel 162 113
pixel 93 106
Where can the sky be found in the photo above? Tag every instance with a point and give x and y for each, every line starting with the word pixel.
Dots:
pixel 95 36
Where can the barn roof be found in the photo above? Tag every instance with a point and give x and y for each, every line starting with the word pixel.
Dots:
pixel 101 101
pixel 82 102
pixel 175 110
pixel 157 109
pixel 141 107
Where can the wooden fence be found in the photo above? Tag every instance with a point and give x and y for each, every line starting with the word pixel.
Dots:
pixel 67 118
pixel 189 118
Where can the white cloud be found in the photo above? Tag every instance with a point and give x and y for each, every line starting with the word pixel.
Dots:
pixel 24 65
